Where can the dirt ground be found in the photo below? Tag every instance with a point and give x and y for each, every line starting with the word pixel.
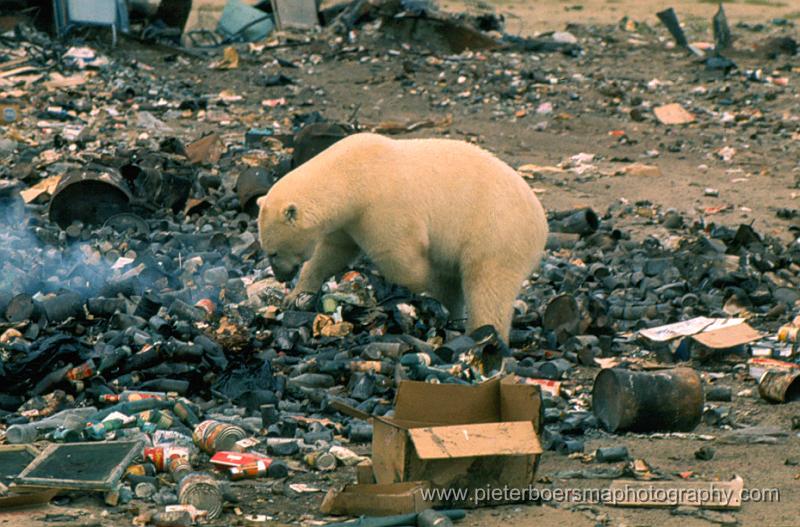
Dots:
pixel 525 17
pixel 759 179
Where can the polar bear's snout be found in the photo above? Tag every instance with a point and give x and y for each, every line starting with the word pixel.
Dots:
pixel 284 271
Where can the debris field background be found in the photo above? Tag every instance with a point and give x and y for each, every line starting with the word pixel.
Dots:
pixel 736 163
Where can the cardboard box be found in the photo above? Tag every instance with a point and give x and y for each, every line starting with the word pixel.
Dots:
pixel 460 437
pixel 365 475
pixel 377 500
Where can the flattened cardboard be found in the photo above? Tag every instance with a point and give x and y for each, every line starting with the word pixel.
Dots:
pixel 729 337
pixel 489 439
pixel 377 500
pixel 656 494
pixel 236 459
pixel 673 113
pixel 685 328
pixel 46 186
pixel 714 333
pixel 207 149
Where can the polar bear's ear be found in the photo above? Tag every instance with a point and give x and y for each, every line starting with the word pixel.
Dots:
pixel 290 213
pixel 261 201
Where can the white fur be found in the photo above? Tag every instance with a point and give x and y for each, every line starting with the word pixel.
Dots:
pixel 438 216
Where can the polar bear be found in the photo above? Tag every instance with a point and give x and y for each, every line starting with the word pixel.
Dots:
pixel 438 216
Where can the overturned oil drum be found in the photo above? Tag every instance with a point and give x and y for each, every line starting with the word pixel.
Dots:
pixel 253 183
pixel 583 222
pixel 61 306
pixel 89 196
pixel 663 400
pixel 314 138
pixel 780 386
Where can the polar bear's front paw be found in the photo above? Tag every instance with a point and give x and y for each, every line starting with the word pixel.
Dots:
pixel 299 300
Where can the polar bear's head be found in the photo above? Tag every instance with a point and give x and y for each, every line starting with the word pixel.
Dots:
pixel 285 238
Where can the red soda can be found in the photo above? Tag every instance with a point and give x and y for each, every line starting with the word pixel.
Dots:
pixel 251 470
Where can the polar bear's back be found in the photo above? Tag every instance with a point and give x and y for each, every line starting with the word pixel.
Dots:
pixel 442 170
pixel 463 193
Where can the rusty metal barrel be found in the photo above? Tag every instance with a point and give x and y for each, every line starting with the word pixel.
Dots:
pixel 314 138
pixel 583 222
pixel 89 196
pixel 662 400
pixel 253 182
pixel 780 385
